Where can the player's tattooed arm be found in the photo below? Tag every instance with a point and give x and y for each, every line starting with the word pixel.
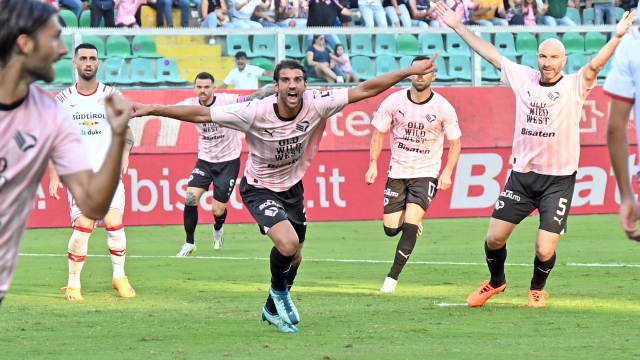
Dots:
pixel 128 142
pixel 192 200
pixel 260 94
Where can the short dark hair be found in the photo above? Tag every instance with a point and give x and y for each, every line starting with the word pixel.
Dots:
pixel 20 17
pixel 419 58
pixel 240 54
pixel 289 64
pixel 205 76
pixel 85 46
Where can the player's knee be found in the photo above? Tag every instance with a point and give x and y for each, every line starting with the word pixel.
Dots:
pixel 218 208
pixel 83 222
pixel 545 252
pixel 191 198
pixel 495 241
pixel 297 259
pixel 391 231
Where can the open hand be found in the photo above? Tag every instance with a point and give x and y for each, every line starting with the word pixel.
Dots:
pixel 625 23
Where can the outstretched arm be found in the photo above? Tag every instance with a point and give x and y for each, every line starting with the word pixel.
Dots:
pixel 189 113
pixel 591 70
pixel 484 48
pixel 377 85
pixel 260 94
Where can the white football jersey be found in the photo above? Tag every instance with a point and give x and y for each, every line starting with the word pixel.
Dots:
pixel 88 112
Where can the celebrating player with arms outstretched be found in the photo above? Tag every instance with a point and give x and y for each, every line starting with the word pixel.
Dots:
pixel 418 120
pixel 546 150
pixel 218 162
pixel 34 128
pixel 85 101
pixel 283 134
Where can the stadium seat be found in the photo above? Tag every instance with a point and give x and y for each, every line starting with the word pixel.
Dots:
pixel 386 45
pixel 455 45
pixel 264 45
pixel 587 16
pixel 432 43
pixel 311 79
pixel 575 63
pixel 142 71
pixel 385 64
pixel 265 64
pixel 167 71
pixel 356 21
pixel 292 46
pixel 593 42
pixel 619 13
pixel 118 46
pixel 85 19
pixel 116 72
pixel 144 46
pixel 530 60
pixel 486 36
pixel 97 42
pixel 100 74
pixel 343 42
pixel 70 19
pixel 489 71
pixel 408 44
pixel 505 44
pixel 237 43
pixel 441 70
pixel 460 67
pixel 526 43
pixel 405 61
pixel 362 66
pixel 361 45
pixel 69 42
pixel 545 36
pixel 64 71
pixel 603 74
pixel 573 43
pixel 574 14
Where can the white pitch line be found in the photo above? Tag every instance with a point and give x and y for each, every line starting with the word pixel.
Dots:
pixel 339 260
pixel 451 304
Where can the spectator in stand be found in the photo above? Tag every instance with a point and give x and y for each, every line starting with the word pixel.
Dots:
pixel 461 6
pixel 556 13
pixel 629 5
pixel 603 10
pixel 373 13
pixel 323 13
pixel 244 77
pixel 421 11
pixel 54 3
pixel 530 11
pixel 127 10
pixel 344 63
pixel 243 10
pixel 320 63
pixel 345 20
pixel 214 14
pixel 397 13
pixel 164 8
pixel 103 9
pixel 514 12
pixel 490 13
pixel 291 14
pixel 75 6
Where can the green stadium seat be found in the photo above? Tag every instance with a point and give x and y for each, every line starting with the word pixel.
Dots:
pixel 70 19
pixel 407 44
pixel 97 42
pixel 63 72
pixel 575 63
pixel 385 64
pixel 593 42
pixel 362 66
pixel 405 61
pixel 311 79
pixel 486 36
pixel 85 19
pixel 619 13
pixel 167 71
pixel 545 36
pixel 489 72
pixel 361 45
pixel 292 47
pixel 432 43
pixel 526 43
pixel 460 67
pixel 505 44
pixel 264 45
pixel 574 14
pixel 237 43
pixel 265 64
pixel 530 60
pixel 116 72
pixel 386 45
pixel 142 71
pixel 573 43
pixel 441 71
pixel 355 21
pixel 455 45
pixel 588 16
pixel 69 42
pixel 603 74
pixel 100 74
pixel 144 46
pixel 118 46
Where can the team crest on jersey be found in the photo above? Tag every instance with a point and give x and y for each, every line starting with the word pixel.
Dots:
pixel 303 126
pixel 430 118
pixel 553 95
pixel 24 141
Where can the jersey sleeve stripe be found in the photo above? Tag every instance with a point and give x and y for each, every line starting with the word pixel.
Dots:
pixel 621 98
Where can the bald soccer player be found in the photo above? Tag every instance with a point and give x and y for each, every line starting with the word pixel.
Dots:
pixel 546 150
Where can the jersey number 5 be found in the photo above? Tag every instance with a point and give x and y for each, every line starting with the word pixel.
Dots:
pixel 562 207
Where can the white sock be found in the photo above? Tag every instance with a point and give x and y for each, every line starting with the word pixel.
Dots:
pixel 78 245
pixel 117 243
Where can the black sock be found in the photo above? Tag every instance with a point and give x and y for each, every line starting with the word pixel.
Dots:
pixel 541 271
pixel 495 261
pixel 220 220
pixel 190 222
pixel 404 249
pixel 271 306
pixel 280 266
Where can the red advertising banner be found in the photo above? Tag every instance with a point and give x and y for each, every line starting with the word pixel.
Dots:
pixel 485 114
pixel 335 188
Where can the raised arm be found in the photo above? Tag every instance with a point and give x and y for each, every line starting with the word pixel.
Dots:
pixel 377 85
pixel 598 62
pixel 377 140
pixel 484 48
pixel 260 94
